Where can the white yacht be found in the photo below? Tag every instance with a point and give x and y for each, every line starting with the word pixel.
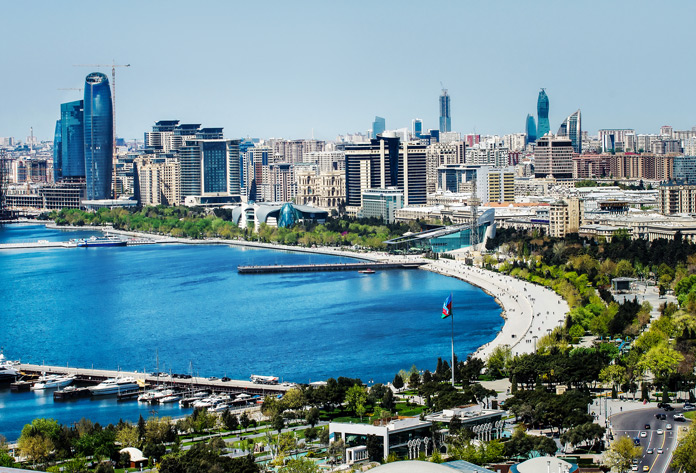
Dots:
pixel 173 397
pixel 114 386
pixel 9 370
pixel 52 381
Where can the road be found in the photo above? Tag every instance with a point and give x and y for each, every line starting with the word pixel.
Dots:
pixel 632 423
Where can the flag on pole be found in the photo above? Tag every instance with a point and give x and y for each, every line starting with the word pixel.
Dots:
pixel 447 307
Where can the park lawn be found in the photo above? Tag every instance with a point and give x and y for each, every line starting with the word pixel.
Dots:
pixel 409 411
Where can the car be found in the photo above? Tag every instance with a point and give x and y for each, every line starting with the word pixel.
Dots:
pixel 660 416
pixel 646 468
pixel 659 450
pixel 650 451
pixel 634 468
pixel 636 441
pixel 225 379
pixel 660 405
pixel 643 434
pixel 668 408
pixel 213 378
pixel 679 417
pixel 647 426
pixel 689 408
pixel 668 426
pixel 660 432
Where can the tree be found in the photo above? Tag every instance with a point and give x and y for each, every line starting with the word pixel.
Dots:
pixel 356 396
pixel 244 420
pixel 278 422
pixel 374 448
pixel 414 381
pixel 302 465
pixel 499 361
pixel 336 449
pixel 621 454
pixel 684 457
pixel 312 416
pixel 398 382
pixel 36 449
pixel 127 436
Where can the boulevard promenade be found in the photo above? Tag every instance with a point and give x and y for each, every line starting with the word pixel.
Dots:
pixel 530 311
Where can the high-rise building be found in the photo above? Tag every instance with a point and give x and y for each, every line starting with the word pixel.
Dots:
pixel 98 136
pixel 417 128
pixel 685 169
pixel 57 153
pixel 385 162
pixel 572 128
pixel 378 126
pixel 553 156
pixel 72 139
pixel 530 132
pixel 161 136
pixel 543 126
pixel 445 118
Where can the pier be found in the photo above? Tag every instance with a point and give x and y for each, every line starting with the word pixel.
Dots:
pixel 303 268
pixel 94 376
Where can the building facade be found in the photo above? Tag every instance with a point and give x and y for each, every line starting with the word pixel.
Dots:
pixel 382 203
pixel 553 156
pixel 98 136
pixel 572 128
pixel 543 125
pixel 445 118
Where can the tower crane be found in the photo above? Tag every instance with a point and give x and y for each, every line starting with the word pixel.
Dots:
pixel 113 67
pixel 71 88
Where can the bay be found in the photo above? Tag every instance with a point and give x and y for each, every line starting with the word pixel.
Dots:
pixel 117 307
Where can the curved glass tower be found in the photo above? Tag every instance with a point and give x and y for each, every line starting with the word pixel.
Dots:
pixel 98 136
pixel 58 153
pixel 542 114
pixel 73 143
pixel 530 130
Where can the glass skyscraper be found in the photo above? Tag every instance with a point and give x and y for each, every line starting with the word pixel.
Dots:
pixel 445 119
pixel 572 128
pixel 378 126
pixel 98 136
pixel 543 126
pixel 72 136
pixel 530 135
pixel 417 127
pixel 57 153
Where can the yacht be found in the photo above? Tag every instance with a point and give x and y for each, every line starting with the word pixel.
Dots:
pixel 9 370
pixel 173 397
pixel 52 381
pixel 114 386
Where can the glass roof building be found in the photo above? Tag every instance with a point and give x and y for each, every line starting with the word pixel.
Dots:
pixel 98 136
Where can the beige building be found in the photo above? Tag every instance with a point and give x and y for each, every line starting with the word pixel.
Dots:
pixel 501 185
pixel 677 198
pixel 565 217
pixel 159 182
pixel 326 190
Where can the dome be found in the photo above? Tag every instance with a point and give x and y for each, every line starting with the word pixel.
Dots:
pixel 288 216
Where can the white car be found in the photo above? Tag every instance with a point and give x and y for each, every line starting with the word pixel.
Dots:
pixel 643 434
pixel 660 432
pixel 659 450
pixel 668 427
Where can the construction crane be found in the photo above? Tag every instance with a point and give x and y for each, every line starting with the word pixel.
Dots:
pixel 113 67
pixel 71 88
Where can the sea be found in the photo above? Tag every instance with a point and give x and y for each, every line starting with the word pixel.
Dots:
pixel 185 309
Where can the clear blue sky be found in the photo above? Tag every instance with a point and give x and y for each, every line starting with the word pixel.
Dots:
pixel 279 69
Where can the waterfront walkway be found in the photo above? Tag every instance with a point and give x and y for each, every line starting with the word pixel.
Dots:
pixel 530 311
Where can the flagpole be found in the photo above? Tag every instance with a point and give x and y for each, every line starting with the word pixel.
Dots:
pixel 452 317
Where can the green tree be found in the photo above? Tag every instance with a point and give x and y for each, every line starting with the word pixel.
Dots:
pixel 684 457
pixel 356 396
pixel 499 361
pixel 398 382
pixel 621 454
pixel 302 465
pixel 312 416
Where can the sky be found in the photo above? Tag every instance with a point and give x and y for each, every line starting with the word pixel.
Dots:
pixel 292 68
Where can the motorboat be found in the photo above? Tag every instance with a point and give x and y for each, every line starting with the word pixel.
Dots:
pixel 9 370
pixel 114 386
pixel 52 381
pixel 367 271
pixel 173 397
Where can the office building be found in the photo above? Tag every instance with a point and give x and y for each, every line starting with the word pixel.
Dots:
pixel 553 157
pixel 58 153
pixel 382 203
pixel 685 169
pixel 98 136
pixel 378 126
pixel 386 162
pixel 326 190
pixel 416 128
pixel 326 160
pixel 440 154
pixel 530 132
pixel 572 128
pixel 612 140
pixel 495 184
pixel 543 126
pixel 161 136
pixel 445 119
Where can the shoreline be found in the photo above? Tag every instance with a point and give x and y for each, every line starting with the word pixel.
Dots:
pixel 527 309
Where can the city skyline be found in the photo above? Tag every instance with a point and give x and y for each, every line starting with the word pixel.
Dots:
pixel 264 93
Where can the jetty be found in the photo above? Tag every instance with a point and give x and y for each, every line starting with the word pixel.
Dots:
pixel 304 268
pixel 95 376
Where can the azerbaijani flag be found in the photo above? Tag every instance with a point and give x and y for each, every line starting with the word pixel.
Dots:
pixel 447 307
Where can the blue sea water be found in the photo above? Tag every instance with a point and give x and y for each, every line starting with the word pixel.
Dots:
pixel 117 307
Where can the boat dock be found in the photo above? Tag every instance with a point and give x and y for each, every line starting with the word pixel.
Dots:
pixel 94 376
pixel 302 268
